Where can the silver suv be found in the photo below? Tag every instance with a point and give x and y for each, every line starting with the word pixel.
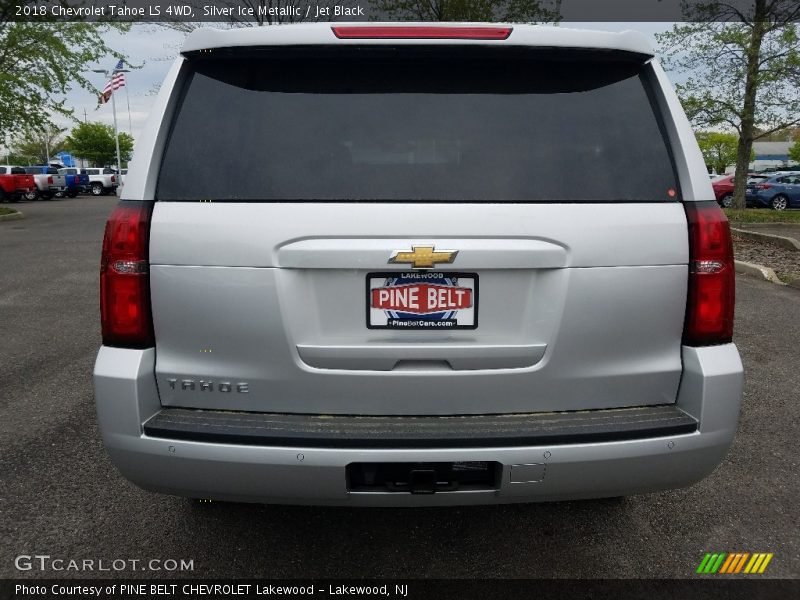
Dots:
pixel 442 264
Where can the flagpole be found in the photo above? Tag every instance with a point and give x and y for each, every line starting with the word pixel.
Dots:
pixel 116 133
pixel 111 90
pixel 130 123
pixel 47 142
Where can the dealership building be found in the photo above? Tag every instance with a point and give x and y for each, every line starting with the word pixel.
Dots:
pixel 770 154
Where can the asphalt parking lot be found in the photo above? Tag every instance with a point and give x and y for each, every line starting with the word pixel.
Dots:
pixel 60 495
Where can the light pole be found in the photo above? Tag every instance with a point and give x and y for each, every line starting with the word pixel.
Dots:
pixel 114 110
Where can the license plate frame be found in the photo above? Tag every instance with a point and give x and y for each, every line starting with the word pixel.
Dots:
pixel 425 321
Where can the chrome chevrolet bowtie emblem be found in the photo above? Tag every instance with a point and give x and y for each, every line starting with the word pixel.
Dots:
pixel 423 257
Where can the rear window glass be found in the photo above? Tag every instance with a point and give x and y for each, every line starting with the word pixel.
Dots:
pixel 33 170
pixel 417 129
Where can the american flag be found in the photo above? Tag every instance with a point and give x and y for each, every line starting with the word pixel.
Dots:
pixel 117 81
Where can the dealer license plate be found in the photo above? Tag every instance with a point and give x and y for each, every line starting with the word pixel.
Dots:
pixel 422 300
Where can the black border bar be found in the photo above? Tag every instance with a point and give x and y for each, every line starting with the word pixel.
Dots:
pixel 219 11
pixel 698 587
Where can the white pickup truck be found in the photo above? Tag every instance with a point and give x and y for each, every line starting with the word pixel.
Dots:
pixel 48 182
pixel 101 181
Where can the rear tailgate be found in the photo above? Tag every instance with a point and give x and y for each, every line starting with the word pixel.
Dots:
pixel 550 201
pixel 50 181
pixel 24 183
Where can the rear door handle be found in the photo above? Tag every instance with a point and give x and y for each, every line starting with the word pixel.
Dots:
pixel 473 254
pixel 385 357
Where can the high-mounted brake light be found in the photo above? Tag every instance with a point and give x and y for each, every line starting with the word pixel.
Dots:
pixel 125 277
pixel 427 32
pixel 709 310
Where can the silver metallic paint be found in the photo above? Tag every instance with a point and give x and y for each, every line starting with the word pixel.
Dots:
pixel 710 391
pixel 265 262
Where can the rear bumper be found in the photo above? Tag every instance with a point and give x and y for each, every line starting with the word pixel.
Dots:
pixel 310 473
pixel 419 432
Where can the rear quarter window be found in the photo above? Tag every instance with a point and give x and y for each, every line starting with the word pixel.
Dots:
pixel 492 127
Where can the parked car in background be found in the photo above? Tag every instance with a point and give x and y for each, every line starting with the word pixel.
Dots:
pixel 779 192
pixel 15 183
pixel 101 181
pixel 122 174
pixel 77 182
pixel 780 170
pixel 723 190
pixel 723 187
pixel 48 181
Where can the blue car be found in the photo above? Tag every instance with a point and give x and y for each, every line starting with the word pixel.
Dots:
pixel 77 183
pixel 778 192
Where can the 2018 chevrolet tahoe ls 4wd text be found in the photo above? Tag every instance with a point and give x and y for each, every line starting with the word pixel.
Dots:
pixel 439 264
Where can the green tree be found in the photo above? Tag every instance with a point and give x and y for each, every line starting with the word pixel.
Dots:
pixel 510 11
pixel 782 135
pixel 40 62
pixel 744 70
pixel 719 149
pixel 34 146
pixel 95 142
pixel 794 152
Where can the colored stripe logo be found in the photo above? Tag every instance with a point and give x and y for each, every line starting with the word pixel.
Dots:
pixel 731 563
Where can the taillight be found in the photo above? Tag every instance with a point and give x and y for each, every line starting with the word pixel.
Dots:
pixel 125 278
pixel 113 179
pixel 764 186
pixel 428 32
pixel 709 311
pixel 50 180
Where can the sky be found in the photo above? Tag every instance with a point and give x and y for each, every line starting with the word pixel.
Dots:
pixel 154 48
pixel 151 47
